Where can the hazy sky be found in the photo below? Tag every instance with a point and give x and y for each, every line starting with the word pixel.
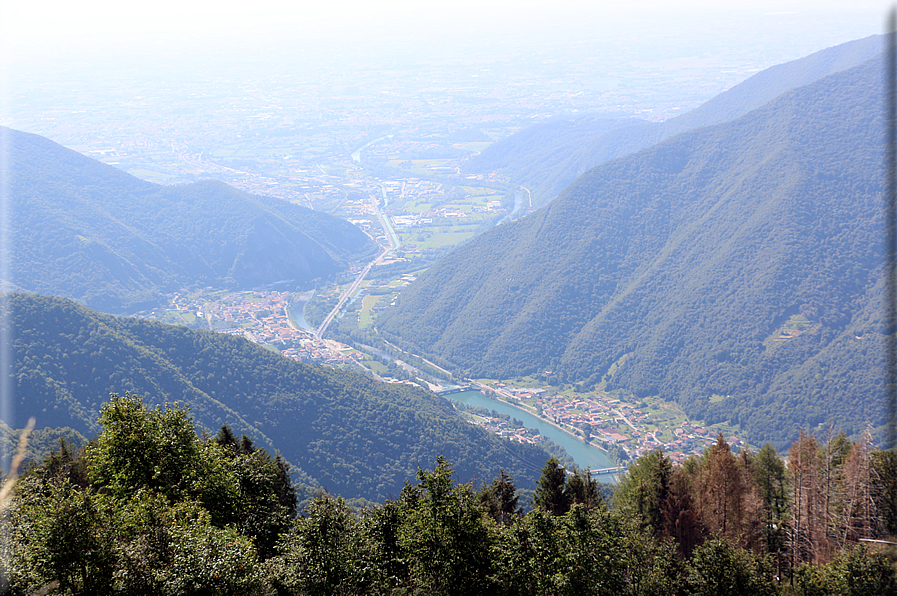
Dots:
pixel 56 40
pixel 64 23
pixel 52 41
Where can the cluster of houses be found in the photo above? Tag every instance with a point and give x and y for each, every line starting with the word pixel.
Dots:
pixel 613 422
pixel 598 413
pixel 241 311
pixel 506 429
pixel 260 316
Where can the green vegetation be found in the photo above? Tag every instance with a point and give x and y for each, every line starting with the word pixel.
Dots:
pixel 348 433
pixel 150 507
pixel 795 326
pixel 93 233
pixel 153 507
pixel 684 258
pixel 365 318
pixel 317 309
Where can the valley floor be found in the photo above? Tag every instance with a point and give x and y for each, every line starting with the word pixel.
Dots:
pixel 621 425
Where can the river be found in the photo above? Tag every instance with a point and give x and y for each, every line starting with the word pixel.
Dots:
pixel 585 456
pixel 356 155
pixel 518 203
pixel 296 310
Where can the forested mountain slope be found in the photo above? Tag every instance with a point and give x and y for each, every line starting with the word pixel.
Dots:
pixel 352 435
pixel 735 269
pixel 547 157
pixel 85 230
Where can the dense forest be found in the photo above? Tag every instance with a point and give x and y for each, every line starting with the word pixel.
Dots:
pixel 85 230
pixel 735 269
pixel 152 507
pixel 547 157
pixel 340 430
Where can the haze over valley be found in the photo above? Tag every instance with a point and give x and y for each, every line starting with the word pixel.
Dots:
pixel 615 274
pixel 422 138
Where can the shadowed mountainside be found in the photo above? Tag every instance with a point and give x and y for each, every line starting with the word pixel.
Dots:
pixel 87 231
pixel 346 432
pixel 735 269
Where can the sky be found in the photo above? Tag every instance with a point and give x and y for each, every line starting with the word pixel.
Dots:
pixel 63 25
pixel 39 38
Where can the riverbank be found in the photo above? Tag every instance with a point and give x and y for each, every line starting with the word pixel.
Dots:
pixel 585 455
pixel 487 390
pixel 295 311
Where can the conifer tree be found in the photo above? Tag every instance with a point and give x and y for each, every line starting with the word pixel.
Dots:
pixel 807 530
pixel 581 488
pixel 769 474
pixel 723 494
pixel 884 465
pixel 645 488
pixel 500 498
pixel 549 495
pixel 681 519
pixel 858 506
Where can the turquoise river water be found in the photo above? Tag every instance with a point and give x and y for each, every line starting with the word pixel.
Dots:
pixel 585 456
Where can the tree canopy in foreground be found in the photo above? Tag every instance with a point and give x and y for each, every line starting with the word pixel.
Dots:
pixel 151 506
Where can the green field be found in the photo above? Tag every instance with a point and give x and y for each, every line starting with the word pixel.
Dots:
pixel 795 325
pixel 439 239
pixel 365 316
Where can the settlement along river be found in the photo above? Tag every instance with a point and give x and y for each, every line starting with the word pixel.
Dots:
pixel 585 456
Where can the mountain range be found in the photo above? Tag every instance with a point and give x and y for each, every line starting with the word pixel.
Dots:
pixel 88 231
pixel 345 432
pixel 735 269
pixel 547 157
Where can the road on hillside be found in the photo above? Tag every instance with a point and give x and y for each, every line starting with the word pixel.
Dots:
pixel 352 289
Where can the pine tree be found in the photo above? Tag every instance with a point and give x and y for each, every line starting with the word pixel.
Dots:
pixel 858 507
pixel 500 499
pixel 645 487
pixel 723 495
pixel 549 495
pixel 769 474
pixel 884 466
pixel 583 489
pixel 807 531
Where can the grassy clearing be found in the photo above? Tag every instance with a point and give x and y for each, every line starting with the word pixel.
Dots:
pixel 416 207
pixel 480 191
pixel 443 239
pixel 375 366
pixel 795 326
pixel 188 317
pixel 366 315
